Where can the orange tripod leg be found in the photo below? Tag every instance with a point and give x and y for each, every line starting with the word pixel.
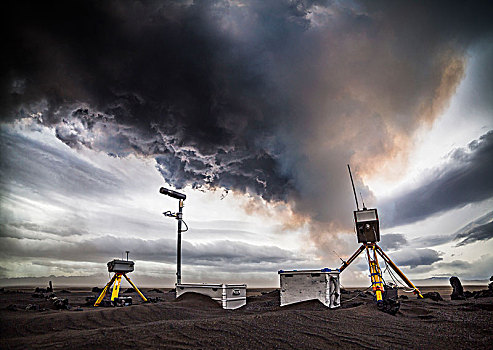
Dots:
pixel 351 259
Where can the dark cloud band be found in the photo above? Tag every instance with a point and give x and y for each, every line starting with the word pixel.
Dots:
pixel 269 98
pixel 467 178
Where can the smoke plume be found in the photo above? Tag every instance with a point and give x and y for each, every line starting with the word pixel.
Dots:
pixel 270 98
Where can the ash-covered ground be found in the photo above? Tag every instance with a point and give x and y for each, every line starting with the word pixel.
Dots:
pixel 195 321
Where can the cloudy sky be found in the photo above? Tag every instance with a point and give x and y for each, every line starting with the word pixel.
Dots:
pixel 253 109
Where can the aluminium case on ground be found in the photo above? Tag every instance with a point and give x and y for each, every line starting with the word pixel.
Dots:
pixel 229 296
pixel 302 285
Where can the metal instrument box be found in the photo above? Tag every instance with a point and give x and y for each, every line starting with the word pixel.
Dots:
pixel 229 296
pixel 120 266
pixel 367 226
pixel 302 285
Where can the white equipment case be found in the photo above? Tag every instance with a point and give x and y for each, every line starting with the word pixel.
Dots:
pixel 302 285
pixel 229 296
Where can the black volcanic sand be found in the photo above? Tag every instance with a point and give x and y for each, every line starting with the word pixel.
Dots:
pixel 195 321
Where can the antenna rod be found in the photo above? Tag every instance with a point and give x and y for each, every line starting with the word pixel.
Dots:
pixel 362 200
pixel 352 183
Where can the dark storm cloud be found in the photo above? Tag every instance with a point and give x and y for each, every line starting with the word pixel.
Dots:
pixel 40 168
pixel 3 272
pixel 411 257
pixel 479 269
pixel 477 230
pixel 475 269
pixel 456 265
pixel 466 178
pixel 267 97
pixel 33 230
pixel 393 241
pixel 480 233
pixel 415 257
pixel 100 249
pixel 432 240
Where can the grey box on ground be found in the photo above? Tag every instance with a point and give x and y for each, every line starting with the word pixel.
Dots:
pixel 302 285
pixel 229 296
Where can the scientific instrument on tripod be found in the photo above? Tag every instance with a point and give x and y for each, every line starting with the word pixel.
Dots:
pixel 368 233
pixel 120 268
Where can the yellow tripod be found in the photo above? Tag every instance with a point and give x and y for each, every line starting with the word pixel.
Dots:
pixel 116 288
pixel 368 232
pixel 375 273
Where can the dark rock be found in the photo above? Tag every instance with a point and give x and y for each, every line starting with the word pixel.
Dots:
pixel 433 296
pixel 60 303
pixel 458 292
pixel 64 291
pixel 97 290
pixel 41 290
pixel 129 290
pixel 2 290
pixel 78 308
pixel 52 295
pixel 403 297
pixel 153 299
pixel 32 307
pixel 343 291
pixel 38 295
pixel 485 293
